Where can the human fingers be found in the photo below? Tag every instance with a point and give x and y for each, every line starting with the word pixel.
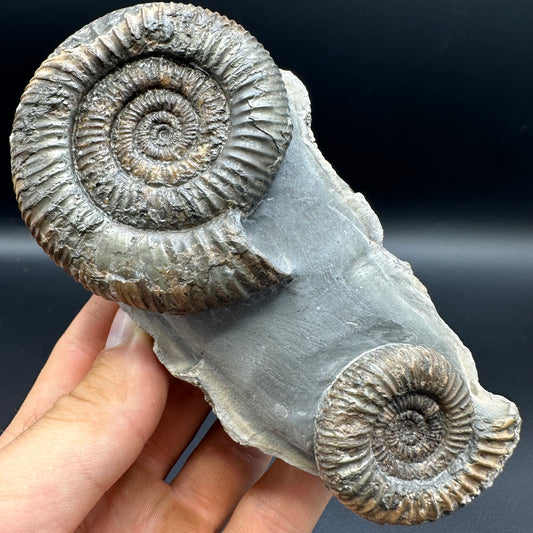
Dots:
pixel 213 480
pixel 184 413
pixel 69 361
pixel 284 500
pixel 53 474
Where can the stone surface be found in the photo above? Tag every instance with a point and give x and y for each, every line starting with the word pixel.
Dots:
pixel 266 363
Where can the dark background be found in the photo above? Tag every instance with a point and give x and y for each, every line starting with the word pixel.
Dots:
pixel 426 107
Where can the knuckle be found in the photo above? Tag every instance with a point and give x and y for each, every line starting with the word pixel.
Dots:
pixel 176 516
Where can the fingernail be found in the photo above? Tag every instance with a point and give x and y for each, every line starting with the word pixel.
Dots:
pixel 122 330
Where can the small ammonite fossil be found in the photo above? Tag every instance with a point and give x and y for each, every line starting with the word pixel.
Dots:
pixel 144 153
pixel 394 433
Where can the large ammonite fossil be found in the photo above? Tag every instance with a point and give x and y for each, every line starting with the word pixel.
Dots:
pixel 137 146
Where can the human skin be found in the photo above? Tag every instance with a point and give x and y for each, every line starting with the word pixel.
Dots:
pixel 104 423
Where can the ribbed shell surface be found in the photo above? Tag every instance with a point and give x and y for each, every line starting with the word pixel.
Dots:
pixel 138 145
pixel 397 439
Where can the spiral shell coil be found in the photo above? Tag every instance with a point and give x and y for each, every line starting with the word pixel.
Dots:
pixel 138 145
pixel 397 440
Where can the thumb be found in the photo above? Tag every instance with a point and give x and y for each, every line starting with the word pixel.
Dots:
pixel 53 474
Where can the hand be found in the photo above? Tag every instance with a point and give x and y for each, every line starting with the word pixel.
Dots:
pixel 91 445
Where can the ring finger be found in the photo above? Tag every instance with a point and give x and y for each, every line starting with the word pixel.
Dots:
pixel 184 413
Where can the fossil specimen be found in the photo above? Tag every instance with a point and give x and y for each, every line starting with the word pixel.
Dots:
pixel 172 131
pixel 144 153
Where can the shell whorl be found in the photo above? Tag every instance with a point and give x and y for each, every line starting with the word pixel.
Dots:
pixel 399 441
pixel 137 146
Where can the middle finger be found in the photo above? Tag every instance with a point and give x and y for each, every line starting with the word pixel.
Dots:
pixel 184 413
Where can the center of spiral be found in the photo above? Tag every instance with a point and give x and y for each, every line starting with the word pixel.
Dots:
pixel 159 135
pixel 163 135
pixel 158 126
pixel 145 130
pixel 412 435
pixel 414 427
pixel 409 430
pixel 410 427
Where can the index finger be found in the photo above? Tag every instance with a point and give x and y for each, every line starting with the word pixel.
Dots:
pixel 70 360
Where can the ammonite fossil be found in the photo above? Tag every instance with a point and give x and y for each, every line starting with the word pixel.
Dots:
pixel 144 156
pixel 136 147
pixel 395 432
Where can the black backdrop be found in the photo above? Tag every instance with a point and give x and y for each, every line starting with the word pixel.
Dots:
pixel 425 106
